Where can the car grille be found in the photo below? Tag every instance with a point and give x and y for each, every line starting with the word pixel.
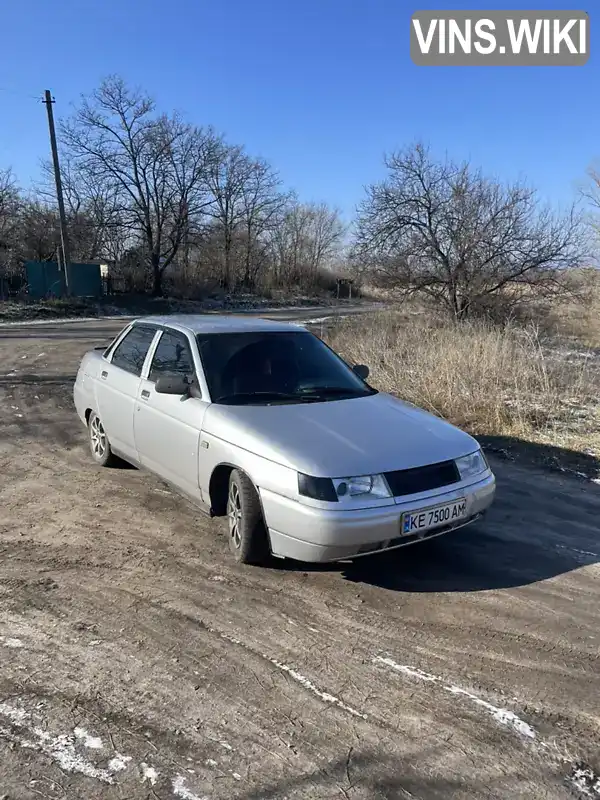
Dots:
pixel 422 479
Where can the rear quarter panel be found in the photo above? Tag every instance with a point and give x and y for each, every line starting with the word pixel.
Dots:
pixel 84 394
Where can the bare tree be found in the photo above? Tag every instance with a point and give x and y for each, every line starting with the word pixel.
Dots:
pixel 97 226
pixel 444 230
pixel 39 232
pixel 306 240
pixel 261 204
pixel 10 203
pixel 590 193
pixel 228 177
pixel 152 167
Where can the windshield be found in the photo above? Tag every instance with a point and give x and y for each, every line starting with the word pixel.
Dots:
pixel 275 367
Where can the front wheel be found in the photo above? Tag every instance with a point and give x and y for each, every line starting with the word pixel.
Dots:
pixel 248 540
pixel 99 443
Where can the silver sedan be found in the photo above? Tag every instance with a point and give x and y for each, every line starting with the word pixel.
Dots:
pixel 261 422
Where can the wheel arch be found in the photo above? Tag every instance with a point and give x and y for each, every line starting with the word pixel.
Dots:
pixel 218 488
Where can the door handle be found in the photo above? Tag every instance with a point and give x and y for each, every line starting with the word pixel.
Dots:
pixel 145 394
pixel 104 374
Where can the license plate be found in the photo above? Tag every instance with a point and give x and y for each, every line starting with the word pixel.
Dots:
pixel 416 521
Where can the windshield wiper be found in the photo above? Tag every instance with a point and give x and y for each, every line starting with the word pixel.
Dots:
pixel 310 395
pixel 261 397
pixel 336 391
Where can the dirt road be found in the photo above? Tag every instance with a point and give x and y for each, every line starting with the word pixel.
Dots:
pixel 138 661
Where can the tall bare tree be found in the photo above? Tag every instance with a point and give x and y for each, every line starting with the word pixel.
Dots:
pixel 10 203
pixel 39 232
pixel 97 226
pixel 444 230
pixel 261 204
pixel 306 240
pixel 152 166
pixel 228 177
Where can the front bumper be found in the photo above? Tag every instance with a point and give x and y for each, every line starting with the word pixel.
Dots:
pixel 312 534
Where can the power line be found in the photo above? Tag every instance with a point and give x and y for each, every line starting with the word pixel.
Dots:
pixel 19 93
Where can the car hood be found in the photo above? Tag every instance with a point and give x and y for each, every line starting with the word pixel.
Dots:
pixel 340 438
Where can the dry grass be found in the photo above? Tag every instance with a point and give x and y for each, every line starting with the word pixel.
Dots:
pixel 580 321
pixel 491 381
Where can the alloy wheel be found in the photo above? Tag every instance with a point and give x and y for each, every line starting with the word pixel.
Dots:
pixel 97 438
pixel 234 514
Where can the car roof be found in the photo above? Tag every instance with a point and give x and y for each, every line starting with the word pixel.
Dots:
pixel 217 323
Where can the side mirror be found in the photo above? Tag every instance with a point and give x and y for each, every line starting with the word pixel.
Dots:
pixel 361 370
pixel 172 384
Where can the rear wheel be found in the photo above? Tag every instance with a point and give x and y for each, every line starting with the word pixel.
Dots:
pixel 99 443
pixel 248 540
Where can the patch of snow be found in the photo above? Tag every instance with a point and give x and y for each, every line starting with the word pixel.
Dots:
pixel 118 763
pixel 315 321
pixel 93 742
pixel 149 774
pixel 63 750
pixel 412 672
pixel 586 780
pixel 181 790
pixel 295 675
pixel 60 749
pixel 17 715
pixel 11 642
pixel 501 715
pixel 578 552
pixel 310 686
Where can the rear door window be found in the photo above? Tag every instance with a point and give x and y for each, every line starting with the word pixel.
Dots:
pixel 131 352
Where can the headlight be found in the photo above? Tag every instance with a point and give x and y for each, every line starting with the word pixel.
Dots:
pixel 471 465
pixel 371 485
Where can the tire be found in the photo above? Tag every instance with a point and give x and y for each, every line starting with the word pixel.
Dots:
pixel 99 442
pixel 248 539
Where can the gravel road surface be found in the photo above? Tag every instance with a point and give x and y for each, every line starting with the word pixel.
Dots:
pixel 138 661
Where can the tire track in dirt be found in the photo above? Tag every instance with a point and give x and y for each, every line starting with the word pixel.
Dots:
pixel 105 576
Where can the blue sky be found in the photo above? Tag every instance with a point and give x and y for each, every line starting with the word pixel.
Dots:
pixel 322 88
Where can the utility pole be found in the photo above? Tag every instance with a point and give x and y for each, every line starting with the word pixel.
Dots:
pixel 64 238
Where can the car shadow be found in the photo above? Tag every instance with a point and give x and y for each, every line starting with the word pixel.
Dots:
pixel 540 526
pixel 377 775
pixel 469 560
pixel 547 456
